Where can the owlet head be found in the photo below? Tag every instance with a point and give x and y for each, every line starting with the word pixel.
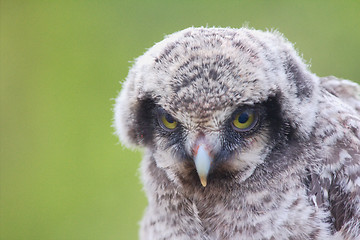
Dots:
pixel 215 101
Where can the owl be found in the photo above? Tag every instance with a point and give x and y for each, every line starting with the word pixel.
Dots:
pixel 241 140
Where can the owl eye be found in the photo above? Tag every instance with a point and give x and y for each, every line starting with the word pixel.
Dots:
pixel 167 121
pixel 245 121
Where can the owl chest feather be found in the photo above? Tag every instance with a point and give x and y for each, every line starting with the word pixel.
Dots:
pixel 268 212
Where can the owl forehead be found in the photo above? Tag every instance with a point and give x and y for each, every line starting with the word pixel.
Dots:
pixel 204 71
pixel 200 72
pixel 207 99
pixel 208 86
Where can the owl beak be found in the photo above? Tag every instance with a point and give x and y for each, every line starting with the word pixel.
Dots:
pixel 203 162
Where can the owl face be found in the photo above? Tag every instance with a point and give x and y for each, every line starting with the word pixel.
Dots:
pixel 232 141
pixel 209 104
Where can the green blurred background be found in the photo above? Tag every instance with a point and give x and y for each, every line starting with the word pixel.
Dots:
pixel 63 174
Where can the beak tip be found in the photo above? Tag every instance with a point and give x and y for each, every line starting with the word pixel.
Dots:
pixel 203 181
pixel 202 162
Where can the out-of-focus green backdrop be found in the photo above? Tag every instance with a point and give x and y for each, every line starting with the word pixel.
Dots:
pixel 63 174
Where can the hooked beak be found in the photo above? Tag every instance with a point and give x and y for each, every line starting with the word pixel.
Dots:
pixel 203 162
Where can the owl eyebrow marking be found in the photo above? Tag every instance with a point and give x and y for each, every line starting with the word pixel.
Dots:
pixel 160 110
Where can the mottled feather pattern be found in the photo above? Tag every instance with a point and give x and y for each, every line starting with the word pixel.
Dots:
pixel 293 174
pixel 339 170
pixel 347 91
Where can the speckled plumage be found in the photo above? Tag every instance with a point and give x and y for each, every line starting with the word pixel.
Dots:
pixel 295 175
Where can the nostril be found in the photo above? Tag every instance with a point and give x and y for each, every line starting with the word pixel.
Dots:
pixel 200 139
pixel 196 149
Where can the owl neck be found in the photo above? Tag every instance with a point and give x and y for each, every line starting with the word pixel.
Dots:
pixel 209 210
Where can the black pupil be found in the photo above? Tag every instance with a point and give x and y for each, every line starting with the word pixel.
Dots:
pixel 169 118
pixel 243 118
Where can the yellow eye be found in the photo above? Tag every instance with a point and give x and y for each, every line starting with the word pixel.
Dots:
pixel 244 121
pixel 168 122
